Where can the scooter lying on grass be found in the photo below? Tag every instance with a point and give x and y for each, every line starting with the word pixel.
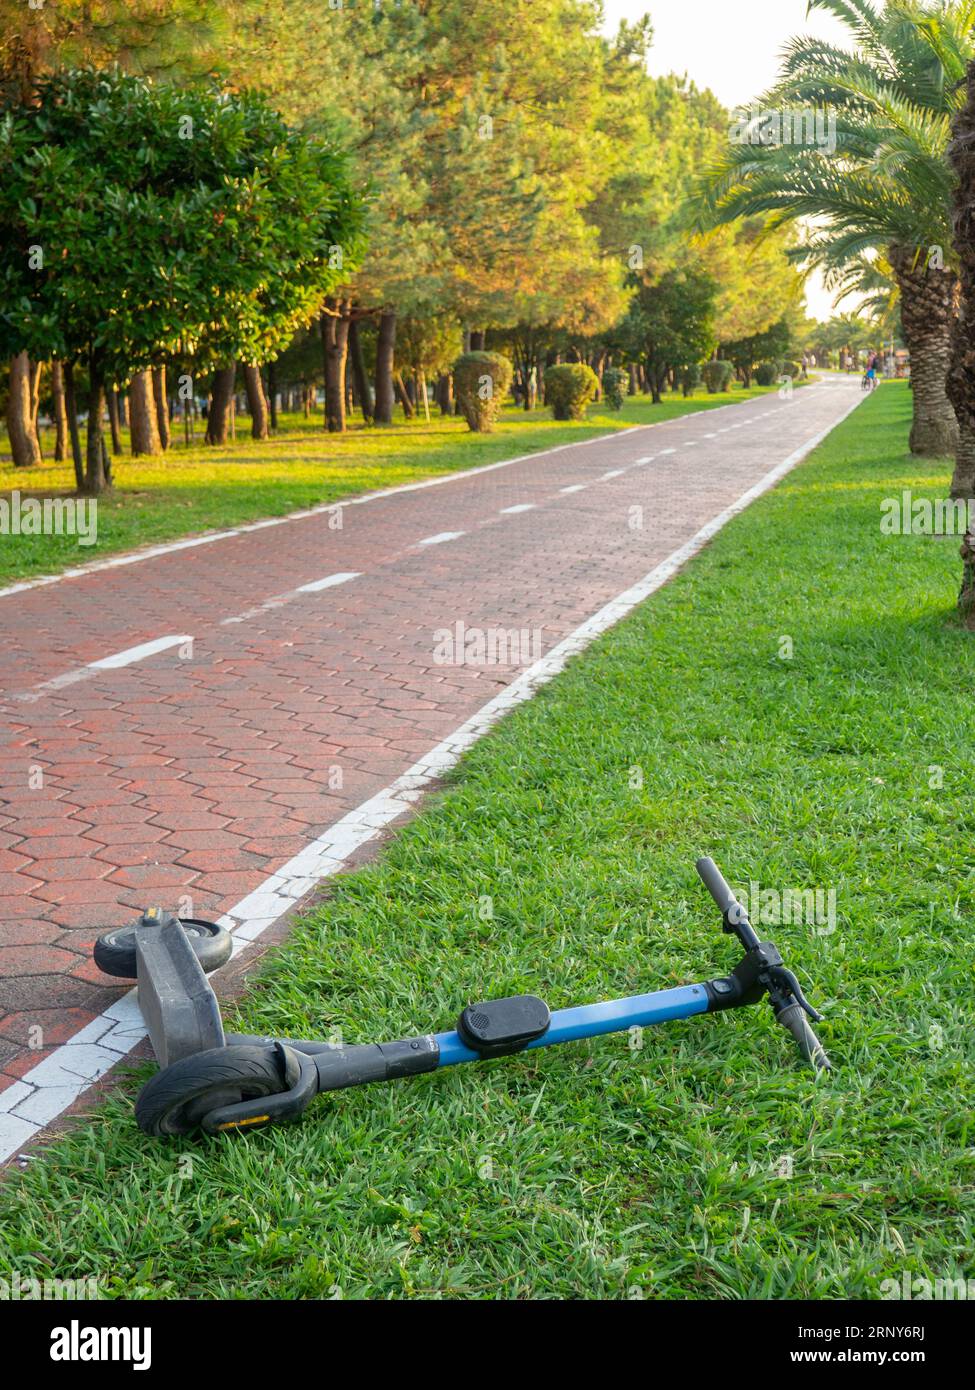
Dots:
pixel 215 1082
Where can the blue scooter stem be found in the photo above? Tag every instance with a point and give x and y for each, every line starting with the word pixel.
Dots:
pixel 590 1020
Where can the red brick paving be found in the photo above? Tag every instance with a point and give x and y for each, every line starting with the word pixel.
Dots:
pixel 190 780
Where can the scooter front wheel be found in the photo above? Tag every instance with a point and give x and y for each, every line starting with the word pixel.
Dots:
pixel 115 952
pixel 178 1098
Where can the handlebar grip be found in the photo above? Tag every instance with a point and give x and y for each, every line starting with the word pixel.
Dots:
pixel 714 882
pixel 794 1020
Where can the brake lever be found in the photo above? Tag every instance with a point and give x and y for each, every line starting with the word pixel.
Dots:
pixel 782 977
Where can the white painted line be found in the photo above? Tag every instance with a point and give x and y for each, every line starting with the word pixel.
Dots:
pixel 647 458
pixel 440 537
pixel 576 487
pixel 613 473
pixel 72 1067
pixel 667 451
pixel 521 507
pixel 134 557
pixel 139 653
pixel 279 600
pixel 329 582
pixel 105 663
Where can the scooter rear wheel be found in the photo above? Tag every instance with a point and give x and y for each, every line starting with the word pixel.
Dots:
pixel 177 1099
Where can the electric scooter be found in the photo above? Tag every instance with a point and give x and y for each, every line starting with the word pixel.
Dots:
pixel 218 1083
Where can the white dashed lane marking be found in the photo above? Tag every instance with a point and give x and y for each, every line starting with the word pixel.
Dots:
pixel 440 537
pixel 329 582
pixel 108 663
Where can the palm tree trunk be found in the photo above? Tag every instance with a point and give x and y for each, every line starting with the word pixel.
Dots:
pixel 929 299
pixel 24 444
pixel 961 374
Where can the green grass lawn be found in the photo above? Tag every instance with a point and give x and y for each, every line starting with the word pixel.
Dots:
pixel 708 1162
pixel 195 489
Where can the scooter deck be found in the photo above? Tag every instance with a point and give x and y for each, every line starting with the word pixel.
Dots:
pixel 177 1003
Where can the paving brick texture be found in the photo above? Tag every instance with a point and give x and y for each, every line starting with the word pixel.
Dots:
pixel 187 777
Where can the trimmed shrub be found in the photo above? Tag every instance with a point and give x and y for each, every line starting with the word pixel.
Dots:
pixel 569 388
pixel 616 384
pixel 718 374
pixel 793 369
pixel 690 378
pixel 481 381
pixel 766 373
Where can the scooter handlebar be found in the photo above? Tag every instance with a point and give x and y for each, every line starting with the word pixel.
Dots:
pixel 794 1020
pixel 714 881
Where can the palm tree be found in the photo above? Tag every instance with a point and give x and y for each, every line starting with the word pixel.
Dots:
pixel 872 280
pixel 961 376
pixel 882 182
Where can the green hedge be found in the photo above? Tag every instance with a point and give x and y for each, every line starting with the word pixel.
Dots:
pixel 718 374
pixel 481 381
pixel 690 378
pixel 569 388
pixel 616 383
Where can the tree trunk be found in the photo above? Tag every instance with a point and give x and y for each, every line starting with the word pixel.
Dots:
pixel 385 347
pixel 256 403
pixel 363 389
pixel 272 394
pixel 656 376
pixel 928 303
pixel 961 371
pixel 113 419
pixel 35 401
pixel 445 394
pixel 71 410
pixel 24 444
pixel 61 442
pixel 403 396
pixel 144 429
pixel 335 347
pixel 218 416
pixel 162 405
pixel 95 473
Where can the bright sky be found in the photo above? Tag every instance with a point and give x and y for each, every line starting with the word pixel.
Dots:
pixel 731 47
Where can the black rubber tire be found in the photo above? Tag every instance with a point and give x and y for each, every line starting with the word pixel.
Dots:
pixel 177 1098
pixel 115 950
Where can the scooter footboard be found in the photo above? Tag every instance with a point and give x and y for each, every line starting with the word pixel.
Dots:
pixel 179 1007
